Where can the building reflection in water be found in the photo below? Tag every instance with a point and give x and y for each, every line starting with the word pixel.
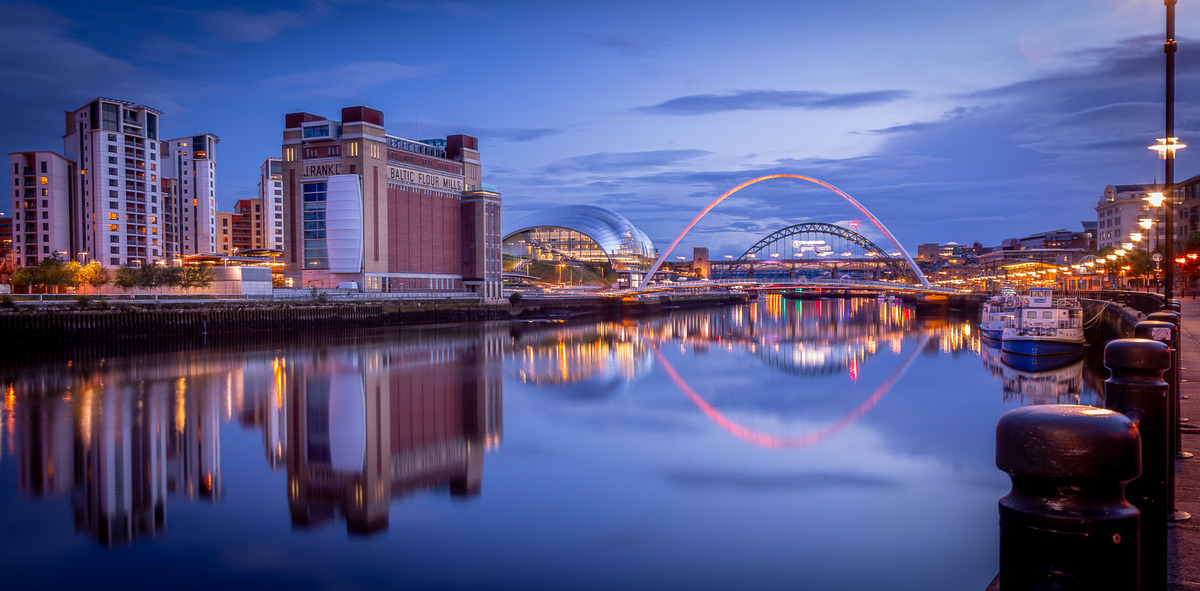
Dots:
pixel 354 425
pixel 376 424
pixel 810 338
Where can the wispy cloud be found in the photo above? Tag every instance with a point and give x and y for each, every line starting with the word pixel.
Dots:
pixel 459 9
pixel 239 24
pixel 759 100
pixel 345 81
pixel 634 43
pixel 603 162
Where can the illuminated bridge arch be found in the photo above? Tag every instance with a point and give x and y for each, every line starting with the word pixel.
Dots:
pixel 855 249
pixel 667 251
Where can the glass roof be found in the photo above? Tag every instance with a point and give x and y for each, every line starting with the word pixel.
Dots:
pixel 611 231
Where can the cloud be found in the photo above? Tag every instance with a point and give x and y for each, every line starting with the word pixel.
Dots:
pixel 606 162
pixel 458 9
pixel 237 24
pixel 513 134
pixel 634 43
pixel 758 100
pixel 46 70
pixel 348 80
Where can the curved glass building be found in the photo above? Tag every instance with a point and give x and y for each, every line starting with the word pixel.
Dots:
pixel 580 233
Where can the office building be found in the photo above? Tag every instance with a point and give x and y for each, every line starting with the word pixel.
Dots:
pixel 393 214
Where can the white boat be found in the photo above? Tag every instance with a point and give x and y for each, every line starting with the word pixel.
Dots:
pixel 993 313
pixel 1042 328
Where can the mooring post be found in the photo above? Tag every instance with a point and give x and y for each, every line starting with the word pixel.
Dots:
pixel 1066 523
pixel 1137 390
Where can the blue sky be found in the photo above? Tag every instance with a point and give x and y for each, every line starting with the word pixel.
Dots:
pixel 949 120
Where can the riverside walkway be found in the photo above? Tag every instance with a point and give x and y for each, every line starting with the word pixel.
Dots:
pixel 1184 558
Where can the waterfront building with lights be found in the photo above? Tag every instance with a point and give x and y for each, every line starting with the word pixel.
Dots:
pixel 270 193
pixel 42 207
pixel 115 147
pixel 189 195
pixel 388 213
pixel 583 234
pixel 1124 210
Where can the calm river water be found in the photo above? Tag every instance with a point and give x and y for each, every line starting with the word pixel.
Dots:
pixel 827 444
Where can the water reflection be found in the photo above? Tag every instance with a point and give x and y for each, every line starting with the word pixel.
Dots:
pixel 1057 385
pixel 355 425
pixel 373 425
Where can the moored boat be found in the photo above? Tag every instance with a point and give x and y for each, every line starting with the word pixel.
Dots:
pixel 1042 326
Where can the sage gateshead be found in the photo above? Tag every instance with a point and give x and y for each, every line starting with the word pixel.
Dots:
pixel 582 233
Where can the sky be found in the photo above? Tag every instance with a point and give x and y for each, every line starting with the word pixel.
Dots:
pixel 948 120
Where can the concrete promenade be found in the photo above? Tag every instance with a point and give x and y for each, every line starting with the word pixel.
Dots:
pixel 1184 560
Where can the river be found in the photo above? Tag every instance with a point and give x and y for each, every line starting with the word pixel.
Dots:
pixel 785 444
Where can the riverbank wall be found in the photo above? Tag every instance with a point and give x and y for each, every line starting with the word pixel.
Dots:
pixel 73 323
pixel 1105 320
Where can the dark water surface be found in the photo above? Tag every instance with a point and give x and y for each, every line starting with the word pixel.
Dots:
pixel 828 444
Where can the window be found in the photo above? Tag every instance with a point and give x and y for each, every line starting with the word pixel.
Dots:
pixel 316 131
pixel 114 250
pixel 45 180
pixel 43 167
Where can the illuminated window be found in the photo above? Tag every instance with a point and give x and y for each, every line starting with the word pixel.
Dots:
pixel 113 228
pixel 45 180
pixel 289 154
pixel 112 216
pixel 354 148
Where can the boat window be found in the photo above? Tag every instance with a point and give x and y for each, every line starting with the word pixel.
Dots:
pixel 1031 315
pixel 1047 314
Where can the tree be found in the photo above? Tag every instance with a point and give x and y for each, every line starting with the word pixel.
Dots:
pixel 126 277
pixel 94 274
pixel 52 272
pixel 1191 243
pixel 198 277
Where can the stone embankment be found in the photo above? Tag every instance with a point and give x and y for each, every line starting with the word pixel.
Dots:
pixel 73 323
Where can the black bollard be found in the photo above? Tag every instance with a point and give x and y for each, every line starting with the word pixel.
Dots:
pixel 1137 390
pixel 1066 523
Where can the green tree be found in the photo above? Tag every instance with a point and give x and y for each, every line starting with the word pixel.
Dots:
pixel 94 274
pixel 71 272
pixel 1191 243
pixel 198 277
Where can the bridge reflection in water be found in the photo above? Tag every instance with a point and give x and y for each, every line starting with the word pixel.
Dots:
pixel 696 418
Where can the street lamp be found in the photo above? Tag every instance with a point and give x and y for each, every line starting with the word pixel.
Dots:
pixel 83 257
pixel 1166 148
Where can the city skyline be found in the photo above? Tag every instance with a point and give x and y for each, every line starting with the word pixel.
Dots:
pixel 653 111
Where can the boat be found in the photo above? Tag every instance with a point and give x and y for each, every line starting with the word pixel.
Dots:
pixel 1042 331
pixel 993 312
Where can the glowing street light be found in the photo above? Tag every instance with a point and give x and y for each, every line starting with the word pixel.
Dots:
pixel 1156 198
pixel 1167 145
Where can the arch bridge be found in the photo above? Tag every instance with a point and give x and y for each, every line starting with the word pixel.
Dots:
pixel 814 251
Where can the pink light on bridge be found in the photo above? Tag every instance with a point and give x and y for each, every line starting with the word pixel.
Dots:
pixel 913 265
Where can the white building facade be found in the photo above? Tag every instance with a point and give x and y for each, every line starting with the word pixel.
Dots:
pixel 270 191
pixel 115 148
pixel 42 208
pixel 1119 214
pixel 191 200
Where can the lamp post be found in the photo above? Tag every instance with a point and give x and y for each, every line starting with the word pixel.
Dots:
pixel 1166 148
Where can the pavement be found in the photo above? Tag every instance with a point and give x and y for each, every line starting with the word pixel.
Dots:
pixel 1183 563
